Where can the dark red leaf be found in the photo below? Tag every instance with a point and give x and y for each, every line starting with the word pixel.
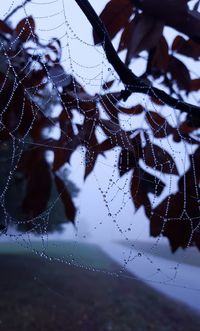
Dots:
pixel 135 110
pixel 120 10
pixel 161 57
pixel 146 33
pixel 161 128
pixel 25 28
pixel 108 85
pixel 126 35
pixel 39 183
pixel 186 47
pixel 143 183
pixel 157 158
pixel 5 27
pixel 70 209
pixel 178 214
pixel 127 161
pixel 179 72
pixel 106 145
pixel 194 85
pixel 90 160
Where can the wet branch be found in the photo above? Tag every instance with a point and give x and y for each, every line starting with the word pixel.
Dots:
pixel 131 81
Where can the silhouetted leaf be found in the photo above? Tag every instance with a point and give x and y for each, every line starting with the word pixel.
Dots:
pixel 5 28
pixel 186 47
pixel 195 84
pixel 70 209
pixel 108 85
pixel 39 183
pixel 143 183
pixel 159 159
pixel 120 10
pixel 146 32
pixel 127 161
pixel 160 58
pixel 126 36
pixel 161 128
pixel 179 73
pixel 25 28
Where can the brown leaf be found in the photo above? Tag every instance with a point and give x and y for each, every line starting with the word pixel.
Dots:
pixel 25 28
pixel 70 209
pixel 106 145
pixel 161 57
pixel 5 27
pixel 126 35
pixel 62 155
pixel 194 84
pixel 135 110
pixel 120 10
pixel 161 128
pixel 157 158
pixel 109 103
pixel 107 85
pixel 186 47
pixel 127 161
pixel 90 160
pixel 146 33
pixel 39 183
pixel 179 73
pixel 178 214
pixel 143 183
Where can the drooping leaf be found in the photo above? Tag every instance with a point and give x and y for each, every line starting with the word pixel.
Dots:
pixel 186 47
pixel 146 33
pixel 107 85
pixel 120 10
pixel 26 28
pixel 5 28
pixel 39 183
pixel 194 84
pixel 159 159
pixel 160 58
pixel 143 183
pixel 178 214
pixel 90 161
pixel 70 209
pixel 135 110
pixel 180 73
pixel 127 161
pixel 126 36
pixel 161 128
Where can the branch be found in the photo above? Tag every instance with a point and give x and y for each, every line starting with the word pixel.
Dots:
pixel 16 9
pixel 130 80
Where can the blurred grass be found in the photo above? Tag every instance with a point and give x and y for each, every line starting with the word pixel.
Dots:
pixel 78 253
pixel 190 256
pixel 39 294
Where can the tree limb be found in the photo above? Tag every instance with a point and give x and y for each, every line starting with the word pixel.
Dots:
pixel 130 80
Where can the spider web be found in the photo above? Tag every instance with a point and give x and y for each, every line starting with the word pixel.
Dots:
pixel 109 214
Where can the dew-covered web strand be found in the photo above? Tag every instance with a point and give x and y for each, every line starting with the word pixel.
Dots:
pixel 114 185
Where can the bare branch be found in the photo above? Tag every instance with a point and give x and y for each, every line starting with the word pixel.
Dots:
pixel 130 80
